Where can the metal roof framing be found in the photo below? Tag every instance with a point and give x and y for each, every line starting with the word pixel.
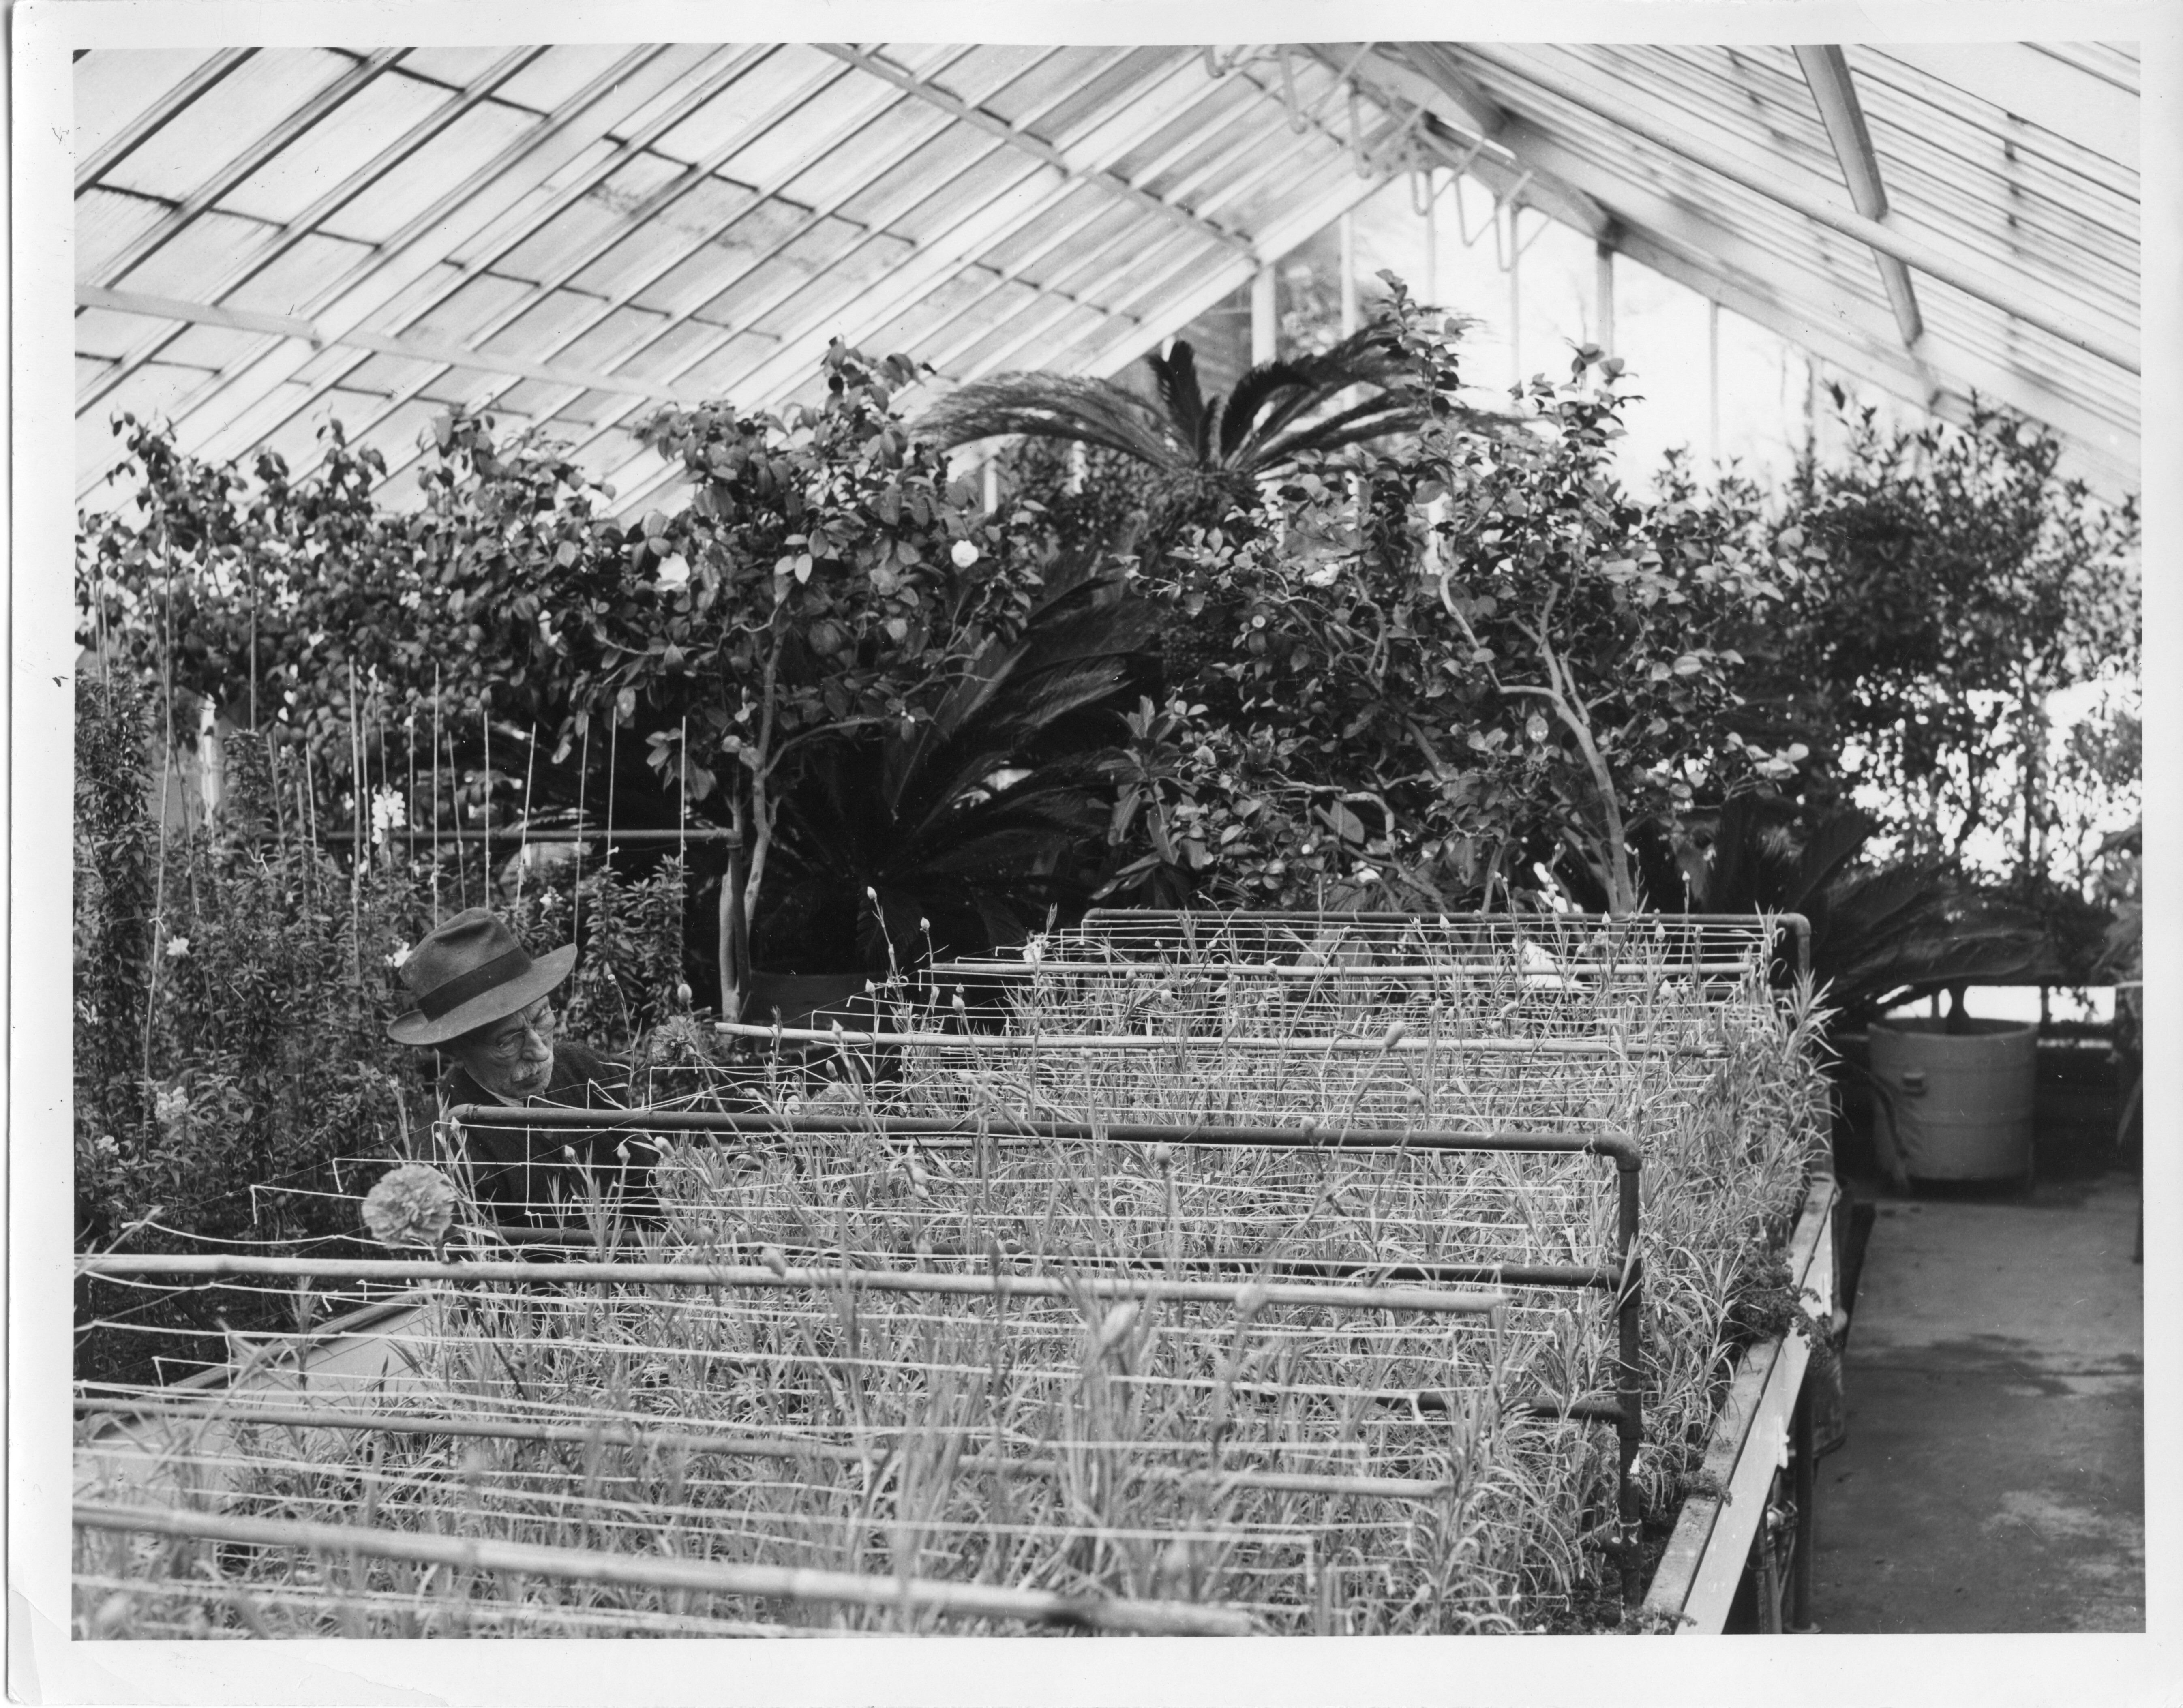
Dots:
pixel 574 234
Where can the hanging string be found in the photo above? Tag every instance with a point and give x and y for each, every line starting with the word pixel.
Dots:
pixel 613 740
pixel 358 848
pixel 409 732
pixel 386 772
pixel 273 789
pixel 455 788
pixel 435 798
pixel 583 775
pixel 682 851
pixel 485 723
pixel 523 844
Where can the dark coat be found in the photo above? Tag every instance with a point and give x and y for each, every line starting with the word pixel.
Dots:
pixel 523 1176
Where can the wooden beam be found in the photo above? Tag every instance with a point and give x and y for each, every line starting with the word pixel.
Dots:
pixel 1826 74
pixel 1698 1572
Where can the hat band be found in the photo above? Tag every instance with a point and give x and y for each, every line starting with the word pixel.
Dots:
pixel 445 999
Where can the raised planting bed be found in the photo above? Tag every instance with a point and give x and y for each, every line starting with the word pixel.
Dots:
pixel 1385 1297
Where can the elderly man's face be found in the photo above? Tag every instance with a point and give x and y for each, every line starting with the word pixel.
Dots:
pixel 511 1058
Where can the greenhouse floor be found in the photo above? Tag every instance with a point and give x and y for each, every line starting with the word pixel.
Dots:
pixel 1993 1478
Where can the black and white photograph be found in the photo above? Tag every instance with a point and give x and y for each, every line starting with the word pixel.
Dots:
pixel 1061 832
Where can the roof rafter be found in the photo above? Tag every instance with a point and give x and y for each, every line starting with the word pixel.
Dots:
pixel 664 261
pixel 709 347
pixel 1886 238
pixel 783 372
pixel 1016 137
pixel 133 136
pixel 497 193
pixel 255 154
pixel 253 262
pixel 1699 250
pixel 442 351
pixel 1828 74
pixel 1094 210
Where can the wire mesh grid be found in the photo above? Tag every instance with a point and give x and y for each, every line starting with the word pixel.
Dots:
pixel 1229 1448
pixel 1302 1467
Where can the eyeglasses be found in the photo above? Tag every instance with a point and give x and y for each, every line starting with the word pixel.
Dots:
pixel 505 1044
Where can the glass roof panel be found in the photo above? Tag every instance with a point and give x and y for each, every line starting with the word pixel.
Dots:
pixel 305 170
pixel 296 279
pixel 210 131
pixel 454 158
pixel 772 86
pixel 547 83
pixel 115 88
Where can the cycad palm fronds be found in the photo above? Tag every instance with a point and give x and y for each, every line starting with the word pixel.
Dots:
pixel 1278 412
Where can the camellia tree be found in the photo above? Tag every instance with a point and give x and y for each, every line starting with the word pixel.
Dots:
pixel 828 582
pixel 1470 648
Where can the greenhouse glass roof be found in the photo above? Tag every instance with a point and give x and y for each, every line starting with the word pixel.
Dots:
pixel 572 234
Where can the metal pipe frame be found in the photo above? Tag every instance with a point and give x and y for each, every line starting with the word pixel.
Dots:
pixel 1716 256
pixel 1827 73
pixel 961 1600
pixel 1884 239
pixel 650 1441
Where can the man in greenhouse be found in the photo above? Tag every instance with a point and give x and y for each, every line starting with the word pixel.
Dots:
pixel 487 1006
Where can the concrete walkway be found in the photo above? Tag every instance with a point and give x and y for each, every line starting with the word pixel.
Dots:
pixel 1993 1478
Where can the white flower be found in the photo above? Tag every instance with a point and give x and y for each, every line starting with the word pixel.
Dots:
pixel 389 811
pixel 398 955
pixel 964 554
pixel 171 1106
pixel 177 947
pixel 413 1204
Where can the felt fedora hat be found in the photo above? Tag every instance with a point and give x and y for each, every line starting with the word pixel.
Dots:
pixel 470 973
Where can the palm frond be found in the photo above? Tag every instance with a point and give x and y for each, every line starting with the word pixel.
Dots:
pixel 1053 406
pixel 1175 376
pixel 1260 386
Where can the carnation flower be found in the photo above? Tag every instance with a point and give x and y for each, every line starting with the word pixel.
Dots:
pixel 413 1204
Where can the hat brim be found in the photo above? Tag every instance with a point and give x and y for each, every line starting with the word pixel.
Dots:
pixel 417 1028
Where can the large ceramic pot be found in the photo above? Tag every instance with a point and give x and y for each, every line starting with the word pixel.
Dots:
pixel 1960 1103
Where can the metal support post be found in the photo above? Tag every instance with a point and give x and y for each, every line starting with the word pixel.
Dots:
pixel 1603 294
pixel 1264 326
pixel 1348 228
pixel 1712 386
pixel 1515 301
